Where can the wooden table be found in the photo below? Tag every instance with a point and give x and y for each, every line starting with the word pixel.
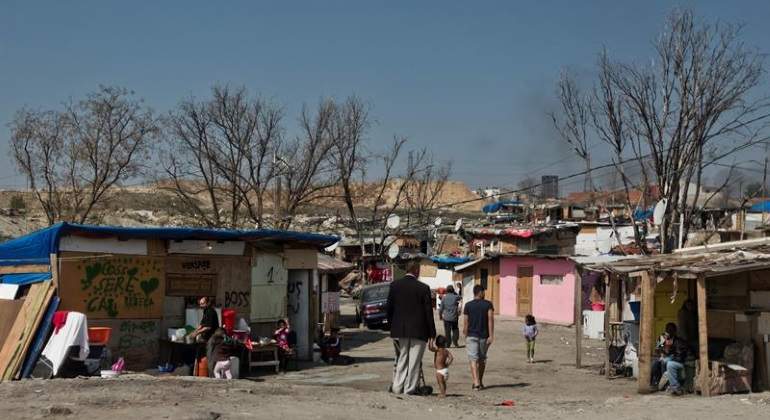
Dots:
pixel 177 350
pixel 271 350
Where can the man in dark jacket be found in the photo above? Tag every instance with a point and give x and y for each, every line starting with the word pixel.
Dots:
pixel 410 316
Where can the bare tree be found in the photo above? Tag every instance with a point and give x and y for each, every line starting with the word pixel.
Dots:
pixel 306 168
pixel 694 104
pixel 528 185
pixel 427 183
pixel 574 122
pixel 74 158
pixel 219 155
pixel 348 155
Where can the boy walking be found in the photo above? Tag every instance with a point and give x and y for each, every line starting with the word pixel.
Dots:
pixel 479 330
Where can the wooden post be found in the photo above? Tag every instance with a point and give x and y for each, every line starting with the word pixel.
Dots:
pixel 55 271
pixel 578 319
pixel 608 291
pixel 646 327
pixel 703 346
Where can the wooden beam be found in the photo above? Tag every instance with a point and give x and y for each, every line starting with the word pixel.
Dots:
pixel 578 319
pixel 646 339
pixel 608 291
pixel 55 271
pixel 703 346
pixel 21 269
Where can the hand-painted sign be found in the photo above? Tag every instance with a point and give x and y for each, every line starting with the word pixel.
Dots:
pixel 113 287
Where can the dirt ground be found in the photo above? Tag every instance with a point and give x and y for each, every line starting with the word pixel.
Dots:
pixel 551 388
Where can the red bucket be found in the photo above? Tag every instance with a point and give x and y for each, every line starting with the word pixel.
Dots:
pixel 597 306
pixel 99 336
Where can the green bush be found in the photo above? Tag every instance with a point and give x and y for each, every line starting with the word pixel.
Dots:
pixel 17 202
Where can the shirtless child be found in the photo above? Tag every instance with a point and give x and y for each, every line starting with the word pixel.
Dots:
pixel 441 361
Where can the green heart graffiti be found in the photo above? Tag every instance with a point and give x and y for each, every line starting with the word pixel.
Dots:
pixel 149 285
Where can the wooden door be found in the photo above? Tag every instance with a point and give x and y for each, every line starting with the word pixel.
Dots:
pixel 524 291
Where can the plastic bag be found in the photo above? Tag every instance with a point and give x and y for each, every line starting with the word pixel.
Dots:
pixel 119 365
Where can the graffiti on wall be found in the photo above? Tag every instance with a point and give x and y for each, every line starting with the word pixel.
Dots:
pixel 114 287
pixel 134 335
pixel 294 296
pixel 237 299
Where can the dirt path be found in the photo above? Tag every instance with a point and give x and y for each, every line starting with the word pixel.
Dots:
pixel 552 388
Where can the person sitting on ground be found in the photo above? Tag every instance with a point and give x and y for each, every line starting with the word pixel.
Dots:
pixel 441 361
pixel 220 348
pixel 530 333
pixel 331 347
pixel 672 352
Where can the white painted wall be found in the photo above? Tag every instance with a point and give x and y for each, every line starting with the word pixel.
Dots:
pixel 443 279
pixel 206 247
pixel 299 310
pixel 601 241
pixel 103 245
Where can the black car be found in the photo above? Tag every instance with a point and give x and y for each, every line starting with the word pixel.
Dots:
pixel 372 309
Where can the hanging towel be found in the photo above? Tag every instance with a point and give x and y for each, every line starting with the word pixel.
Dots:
pixel 74 333
pixel 59 319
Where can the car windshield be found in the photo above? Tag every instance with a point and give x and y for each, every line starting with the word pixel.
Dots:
pixel 375 293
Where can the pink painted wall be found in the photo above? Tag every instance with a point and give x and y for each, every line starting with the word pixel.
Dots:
pixel 550 303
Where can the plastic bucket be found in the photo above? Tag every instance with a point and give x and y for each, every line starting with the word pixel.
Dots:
pixel 99 335
pixel 597 306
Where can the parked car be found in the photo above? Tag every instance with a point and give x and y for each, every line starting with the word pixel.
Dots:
pixel 372 309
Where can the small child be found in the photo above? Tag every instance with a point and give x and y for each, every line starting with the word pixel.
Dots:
pixel 220 348
pixel 530 333
pixel 281 335
pixel 441 361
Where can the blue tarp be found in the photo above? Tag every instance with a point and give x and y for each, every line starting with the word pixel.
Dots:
pixel 37 247
pixel 763 207
pixel 449 260
pixel 27 278
pixel 642 214
pixel 495 207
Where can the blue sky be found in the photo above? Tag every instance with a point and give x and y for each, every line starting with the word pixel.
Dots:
pixel 471 81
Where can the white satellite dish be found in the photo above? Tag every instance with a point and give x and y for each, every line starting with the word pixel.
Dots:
pixel 332 247
pixel 437 222
pixel 458 224
pixel 660 211
pixel 393 221
pixel 393 251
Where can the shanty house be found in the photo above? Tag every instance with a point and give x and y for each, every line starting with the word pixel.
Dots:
pixel 142 281
pixel 526 270
pixel 730 286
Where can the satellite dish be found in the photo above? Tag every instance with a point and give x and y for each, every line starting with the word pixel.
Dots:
pixel 659 212
pixel 393 251
pixel 393 221
pixel 458 224
pixel 437 222
pixel 332 247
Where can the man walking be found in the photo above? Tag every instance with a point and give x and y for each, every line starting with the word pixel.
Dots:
pixel 449 312
pixel 410 315
pixel 479 330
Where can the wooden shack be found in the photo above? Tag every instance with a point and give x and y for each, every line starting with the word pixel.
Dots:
pixel 730 285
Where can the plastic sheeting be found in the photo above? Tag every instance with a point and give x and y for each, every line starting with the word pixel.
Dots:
pixel 495 207
pixel 27 278
pixel 763 207
pixel 37 247
pixel 450 260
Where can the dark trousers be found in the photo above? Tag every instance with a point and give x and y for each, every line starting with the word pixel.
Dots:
pixel 452 332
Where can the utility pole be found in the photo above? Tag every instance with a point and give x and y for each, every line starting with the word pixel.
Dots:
pixel 764 188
